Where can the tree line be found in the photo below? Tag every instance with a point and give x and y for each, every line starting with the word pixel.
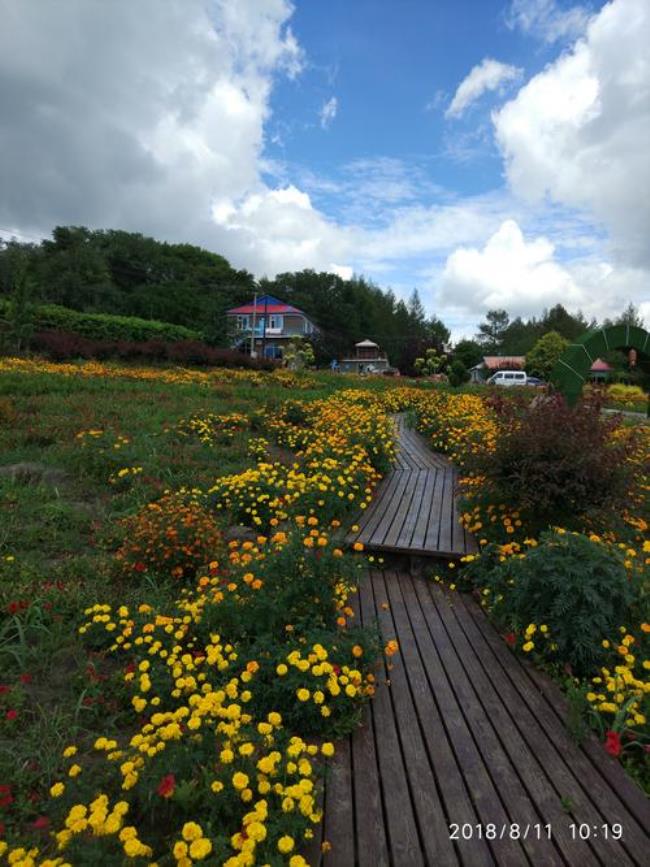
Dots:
pixel 122 273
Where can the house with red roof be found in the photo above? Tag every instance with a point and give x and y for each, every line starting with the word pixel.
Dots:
pixel 264 326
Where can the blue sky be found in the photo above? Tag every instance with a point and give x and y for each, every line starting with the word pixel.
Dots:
pixel 490 153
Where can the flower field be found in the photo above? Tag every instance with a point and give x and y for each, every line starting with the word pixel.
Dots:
pixel 178 646
pixel 207 675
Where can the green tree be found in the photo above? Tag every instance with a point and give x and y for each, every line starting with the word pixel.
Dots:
pixel 18 283
pixel 437 332
pixel 491 332
pixel 545 354
pixel 630 316
pixel 468 352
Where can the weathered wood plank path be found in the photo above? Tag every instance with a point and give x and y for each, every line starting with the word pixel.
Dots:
pixel 461 732
pixel 414 510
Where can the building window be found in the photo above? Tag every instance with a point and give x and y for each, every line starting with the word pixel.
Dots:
pixel 275 320
pixel 242 323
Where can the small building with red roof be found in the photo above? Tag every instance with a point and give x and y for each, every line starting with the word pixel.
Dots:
pixel 600 370
pixel 265 325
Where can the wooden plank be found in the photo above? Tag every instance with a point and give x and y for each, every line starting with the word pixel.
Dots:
pixel 457 804
pixel 401 827
pixel 433 530
pixel 457 533
pixel 564 783
pixel 390 508
pixel 446 514
pixel 339 809
pixel 525 756
pixel 405 538
pixel 602 795
pixel 433 828
pixel 373 515
pixel 484 794
pixel 372 845
pixel 407 505
pixel 424 514
pixel 516 800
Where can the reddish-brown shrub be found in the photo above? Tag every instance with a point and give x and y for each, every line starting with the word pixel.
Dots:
pixel 169 538
pixel 62 345
pixel 556 464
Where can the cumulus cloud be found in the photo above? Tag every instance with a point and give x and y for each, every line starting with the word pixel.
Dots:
pixel 578 132
pixel 489 74
pixel 146 116
pixel 524 276
pixel 509 272
pixel 546 20
pixel 328 112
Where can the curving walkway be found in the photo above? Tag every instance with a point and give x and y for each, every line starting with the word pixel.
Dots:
pixel 414 510
pixel 462 733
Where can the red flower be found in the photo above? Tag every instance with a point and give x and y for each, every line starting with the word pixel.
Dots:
pixel 139 566
pixel 11 715
pixel 41 823
pixel 6 797
pixel 510 639
pixel 167 786
pixel 4 688
pixel 25 678
pixel 613 743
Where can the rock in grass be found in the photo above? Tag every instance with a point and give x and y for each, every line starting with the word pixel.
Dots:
pixel 28 473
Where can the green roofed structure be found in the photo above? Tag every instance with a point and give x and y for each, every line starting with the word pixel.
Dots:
pixel 572 370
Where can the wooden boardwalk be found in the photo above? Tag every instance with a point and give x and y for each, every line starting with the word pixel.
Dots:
pixel 414 510
pixel 461 732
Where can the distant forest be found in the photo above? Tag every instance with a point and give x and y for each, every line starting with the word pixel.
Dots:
pixel 128 274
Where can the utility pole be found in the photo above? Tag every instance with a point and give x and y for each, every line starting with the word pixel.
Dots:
pixel 266 307
pixel 253 353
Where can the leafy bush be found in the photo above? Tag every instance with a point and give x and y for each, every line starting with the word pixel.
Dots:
pixel 103 326
pixel 171 537
pixel 62 345
pixel 555 464
pixel 458 373
pixel 577 587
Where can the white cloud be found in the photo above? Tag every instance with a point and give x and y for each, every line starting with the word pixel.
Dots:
pixel 509 272
pixel 147 116
pixel 578 132
pixel 328 112
pixel 524 277
pixel 546 20
pixel 489 74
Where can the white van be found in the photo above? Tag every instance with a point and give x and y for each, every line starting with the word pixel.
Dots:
pixel 508 378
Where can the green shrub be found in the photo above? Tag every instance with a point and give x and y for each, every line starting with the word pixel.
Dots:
pixel 102 326
pixel 577 587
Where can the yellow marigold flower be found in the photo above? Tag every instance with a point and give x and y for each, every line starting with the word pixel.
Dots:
pixel 70 751
pixel 302 694
pixel 74 771
pixel 191 831
pixel 528 646
pixel 358 546
pixel 57 790
pixel 239 780
pixel 327 749
pixel 281 669
pixel 200 849
pixel 285 844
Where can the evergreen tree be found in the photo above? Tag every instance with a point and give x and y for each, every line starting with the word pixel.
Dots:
pixel 491 332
